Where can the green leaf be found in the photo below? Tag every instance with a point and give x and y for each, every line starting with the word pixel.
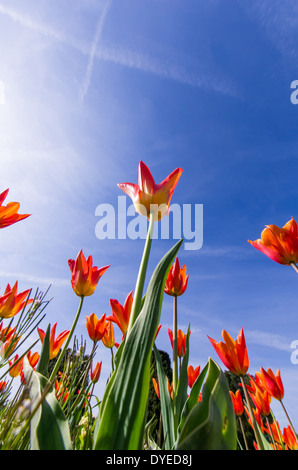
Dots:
pixel 165 404
pixel 42 366
pixel 211 424
pixel 123 409
pixel 193 396
pixel 48 427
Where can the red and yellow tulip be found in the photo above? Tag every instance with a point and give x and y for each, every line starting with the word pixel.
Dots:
pixel 149 197
pixel 273 384
pixel 232 353
pixel 55 343
pixel 237 402
pixel 121 314
pixel 96 327
pixel 193 374
pixel 15 366
pixel 95 373
pixel 108 338
pixel 84 276
pixel 11 302
pixel 260 397
pixel 279 244
pixel 181 341
pixel 177 280
pixel 156 387
pixel 9 213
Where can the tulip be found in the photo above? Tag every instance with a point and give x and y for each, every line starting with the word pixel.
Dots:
pixel 15 366
pixel 8 346
pixel 177 280
pixel 95 374
pixel 290 439
pixel 11 302
pixel 149 197
pixel 55 344
pixel 61 391
pixel 193 374
pixel 232 353
pixel 3 385
pixel 84 276
pixel 6 333
pixel 261 398
pixel 273 384
pixel 279 244
pixel 121 314
pixel 9 214
pixel 108 338
pixel 237 402
pixel 33 360
pixel 156 387
pixel 96 327
pixel 181 342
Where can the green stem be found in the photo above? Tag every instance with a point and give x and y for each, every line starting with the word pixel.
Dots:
pixel 288 418
pixel 252 416
pixel 137 301
pixel 294 266
pixel 175 348
pixel 62 352
pixel 278 431
pixel 271 433
pixel 175 360
pixel 243 433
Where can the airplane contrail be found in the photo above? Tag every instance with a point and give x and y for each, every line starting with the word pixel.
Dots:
pixel 125 57
pixel 97 36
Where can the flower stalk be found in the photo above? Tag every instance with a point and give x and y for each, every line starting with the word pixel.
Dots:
pixel 62 352
pixel 137 301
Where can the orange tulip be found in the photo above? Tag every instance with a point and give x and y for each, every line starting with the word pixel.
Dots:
pixel 96 327
pixel 290 439
pixel 61 391
pixel 9 214
pixel 11 302
pixel 84 276
pixel 15 366
pixel 193 374
pixel 3 385
pixel 274 429
pixel 156 387
pixel 237 402
pixel 181 342
pixel 33 360
pixel 149 197
pixel 232 353
pixel 279 244
pixel 108 338
pixel 95 374
pixel 8 346
pixel 55 344
pixel 273 384
pixel 6 333
pixel 121 314
pixel 260 397
pixel 177 280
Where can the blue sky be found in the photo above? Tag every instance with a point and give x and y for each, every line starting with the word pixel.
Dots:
pixel 88 89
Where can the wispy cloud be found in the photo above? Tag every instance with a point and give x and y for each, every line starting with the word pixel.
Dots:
pixel 124 56
pixel 97 36
pixel 268 339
